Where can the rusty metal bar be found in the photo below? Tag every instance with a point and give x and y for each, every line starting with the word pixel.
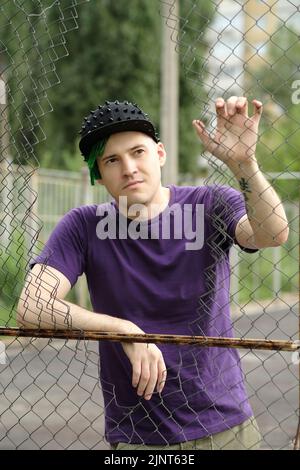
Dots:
pixel 278 345
pixel 297 437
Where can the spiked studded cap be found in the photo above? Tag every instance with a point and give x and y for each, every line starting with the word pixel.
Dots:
pixel 112 117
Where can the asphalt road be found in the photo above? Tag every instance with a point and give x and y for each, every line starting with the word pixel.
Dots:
pixel 50 396
pixel 272 378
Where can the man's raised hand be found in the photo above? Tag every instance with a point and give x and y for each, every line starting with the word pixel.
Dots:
pixel 235 137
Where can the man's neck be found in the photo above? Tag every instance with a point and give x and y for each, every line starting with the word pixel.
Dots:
pixel 148 211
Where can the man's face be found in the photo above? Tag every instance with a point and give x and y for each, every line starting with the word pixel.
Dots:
pixel 131 166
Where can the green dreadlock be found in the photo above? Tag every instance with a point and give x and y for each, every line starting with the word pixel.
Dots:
pixel 97 151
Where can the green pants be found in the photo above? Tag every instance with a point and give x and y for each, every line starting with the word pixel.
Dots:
pixel 245 436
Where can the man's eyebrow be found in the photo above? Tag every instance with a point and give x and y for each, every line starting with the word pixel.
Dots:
pixel 129 150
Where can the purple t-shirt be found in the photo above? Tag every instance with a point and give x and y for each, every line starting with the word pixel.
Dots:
pixel 163 288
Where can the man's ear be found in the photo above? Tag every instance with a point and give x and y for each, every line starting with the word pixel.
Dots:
pixel 100 182
pixel 161 152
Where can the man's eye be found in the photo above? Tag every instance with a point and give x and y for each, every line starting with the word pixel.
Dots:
pixel 111 160
pixel 139 151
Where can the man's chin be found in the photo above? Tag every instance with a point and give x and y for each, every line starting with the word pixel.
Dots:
pixel 130 199
pixel 137 199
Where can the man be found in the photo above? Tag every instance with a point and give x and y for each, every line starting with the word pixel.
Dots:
pixel 146 275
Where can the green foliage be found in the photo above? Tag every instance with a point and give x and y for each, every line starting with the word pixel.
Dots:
pixel 278 150
pixel 68 160
pixel 115 54
pixel 281 68
pixel 12 269
pixel 192 47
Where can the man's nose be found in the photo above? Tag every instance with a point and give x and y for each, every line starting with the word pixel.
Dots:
pixel 129 166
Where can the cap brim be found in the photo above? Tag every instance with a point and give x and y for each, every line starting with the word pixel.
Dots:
pixel 87 142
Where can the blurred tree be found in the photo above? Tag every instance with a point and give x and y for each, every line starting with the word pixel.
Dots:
pixel 278 150
pixel 115 54
pixel 195 18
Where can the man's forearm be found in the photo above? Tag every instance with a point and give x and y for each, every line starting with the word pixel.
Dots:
pixel 264 208
pixel 84 319
pixel 60 314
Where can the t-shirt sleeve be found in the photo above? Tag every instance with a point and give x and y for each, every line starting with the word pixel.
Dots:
pixel 65 249
pixel 228 208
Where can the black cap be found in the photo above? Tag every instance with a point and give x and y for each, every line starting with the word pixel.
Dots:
pixel 112 117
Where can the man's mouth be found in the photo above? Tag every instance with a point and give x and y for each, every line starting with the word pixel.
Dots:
pixel 133 184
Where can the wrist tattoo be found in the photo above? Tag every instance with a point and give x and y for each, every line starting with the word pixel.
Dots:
pixel 245 188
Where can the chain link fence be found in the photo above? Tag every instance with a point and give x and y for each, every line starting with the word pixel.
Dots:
pixel 49 381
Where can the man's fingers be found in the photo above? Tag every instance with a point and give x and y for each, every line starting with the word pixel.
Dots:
pixel 199 125
pixel 152 381
pixel 144 378
pixel 148 370
pixel 158 375
pixel 258 109
pixel 208 141
pixel 231 105
pixel 221 108
pixel 202 132
pixel 242 106
pixel 136 373
pixel 162 376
